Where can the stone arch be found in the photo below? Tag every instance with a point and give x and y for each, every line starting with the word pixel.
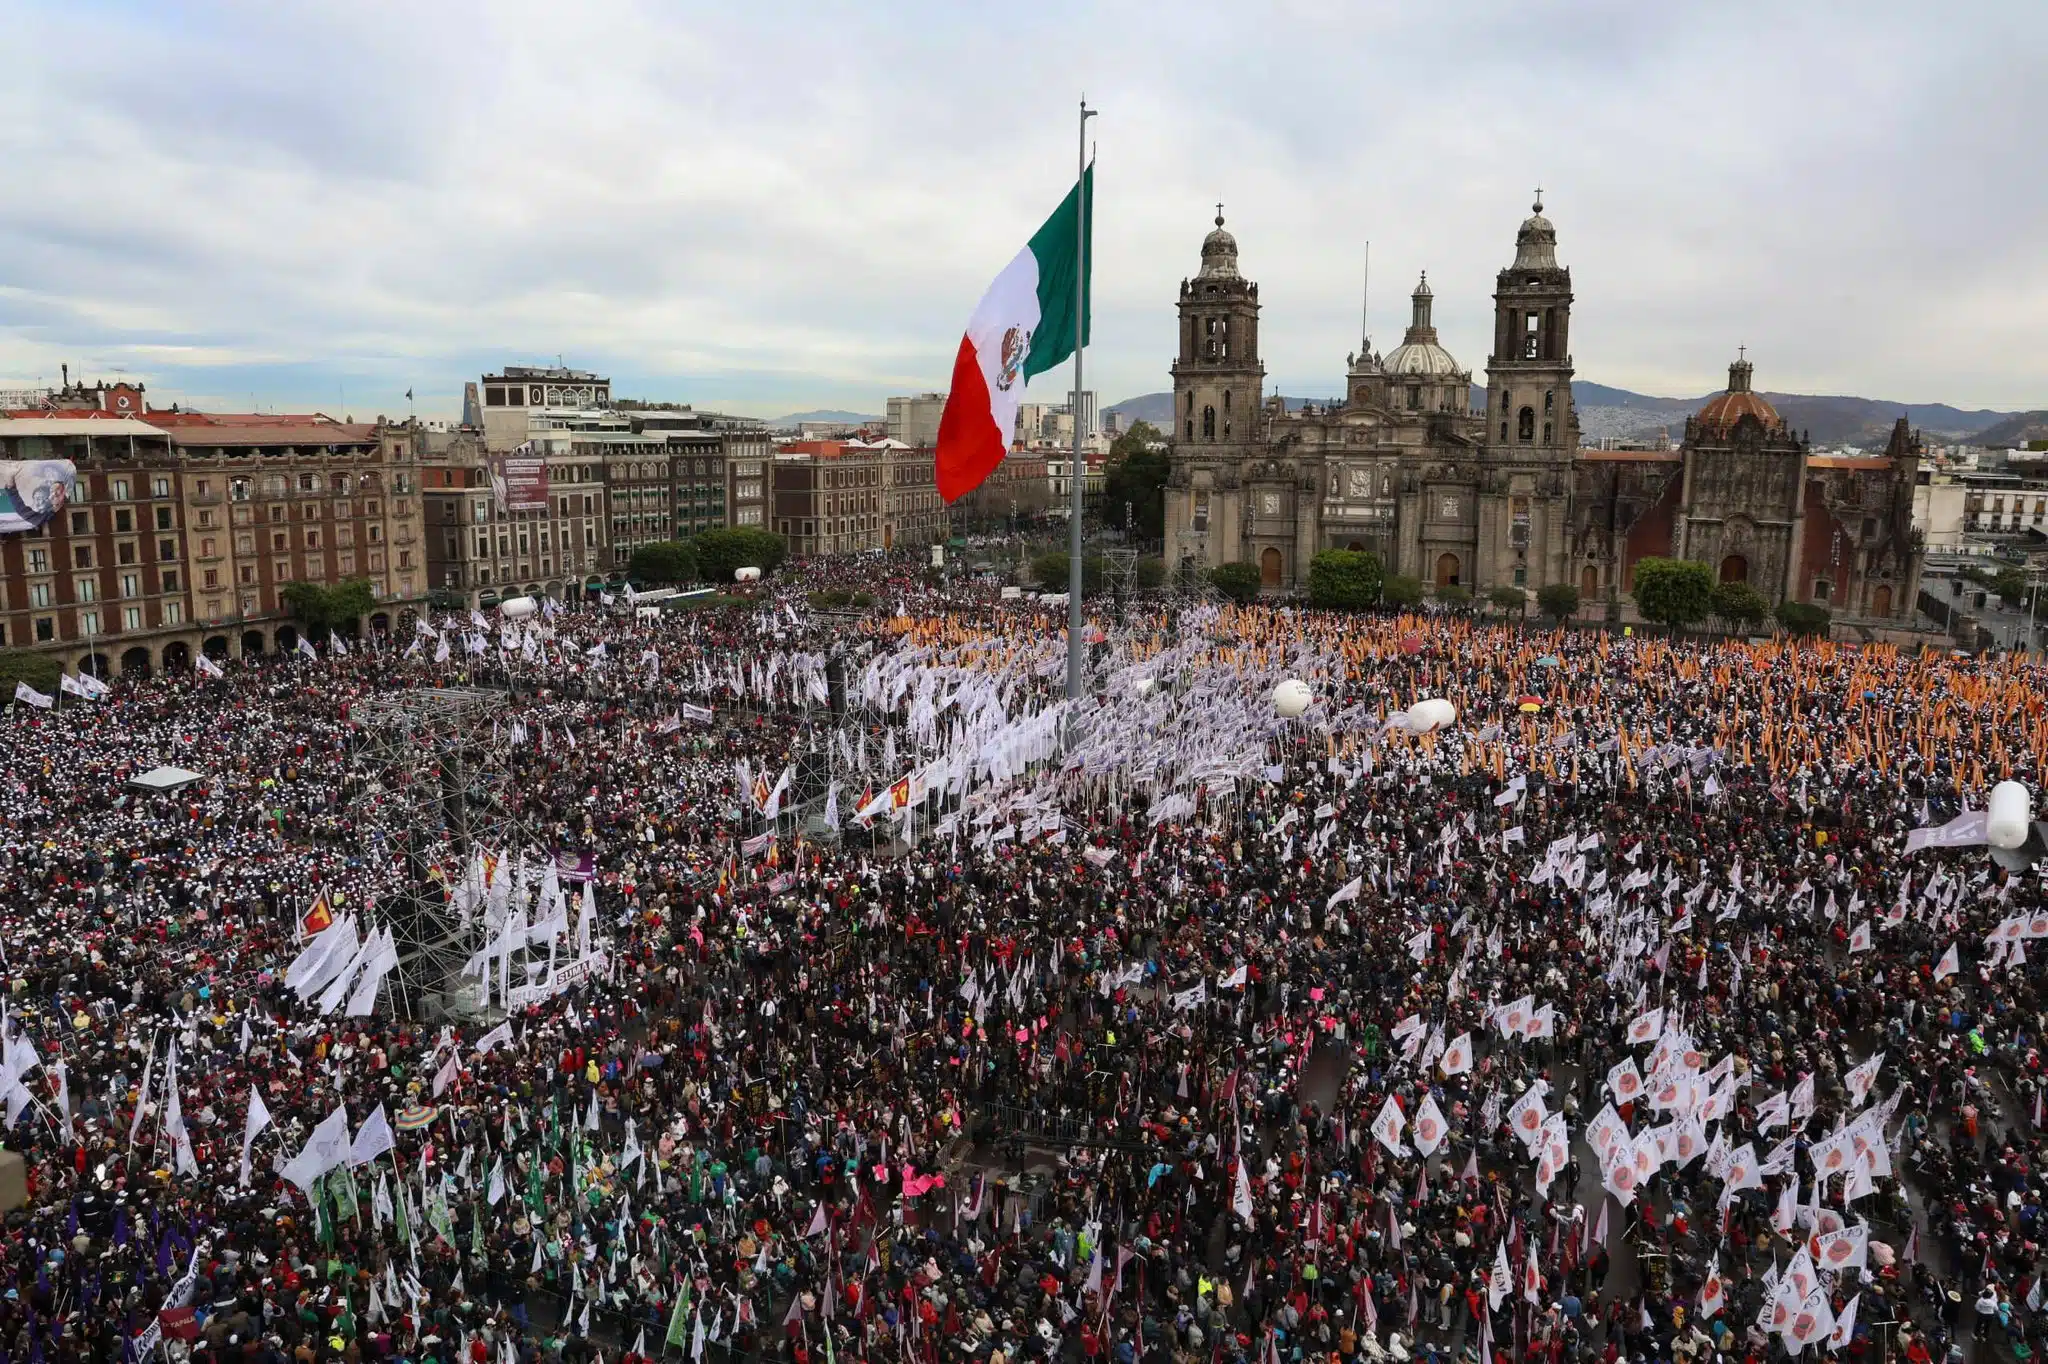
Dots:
pixel 252 643
pixel 287 638
pixel 380 623
pixel 1447 570
pixel 177 657
pixel 216 647
pixel 98 664
pixel 1735 569
pixel 1270 565
pixel 1525 425
pixel 136 662
pixel 1356 546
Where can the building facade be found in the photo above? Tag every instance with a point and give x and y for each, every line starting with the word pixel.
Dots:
pixel 845 497
pixel 1404 466
pixel 512 396
pixel 187 528
pixel 915 420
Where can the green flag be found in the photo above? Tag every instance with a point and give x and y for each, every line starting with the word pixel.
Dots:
pixel 678 1320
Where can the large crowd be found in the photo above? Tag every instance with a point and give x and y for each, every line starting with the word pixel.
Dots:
pixel 1613 1019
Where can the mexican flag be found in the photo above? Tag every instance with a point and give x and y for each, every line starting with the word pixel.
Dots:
pixel 1023 326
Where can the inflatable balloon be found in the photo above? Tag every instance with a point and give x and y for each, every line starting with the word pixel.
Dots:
pixel 1434 713
pixel 517 608
pixel 1291 698
pixel 2010 815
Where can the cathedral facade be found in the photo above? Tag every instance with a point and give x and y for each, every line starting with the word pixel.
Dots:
pixel 1404 466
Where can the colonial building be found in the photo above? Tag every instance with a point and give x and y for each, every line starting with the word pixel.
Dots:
pixel 1405 466
pixel 187 527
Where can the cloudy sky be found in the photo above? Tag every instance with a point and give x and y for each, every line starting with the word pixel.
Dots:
pixel 770 206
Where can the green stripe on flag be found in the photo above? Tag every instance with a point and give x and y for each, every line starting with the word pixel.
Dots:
pixel 1059 259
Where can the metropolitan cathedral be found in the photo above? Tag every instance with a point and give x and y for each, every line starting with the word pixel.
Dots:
pixel 1405 467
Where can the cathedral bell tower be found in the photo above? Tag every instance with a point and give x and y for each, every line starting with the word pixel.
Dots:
pixel 1532 428
pixel 1218 388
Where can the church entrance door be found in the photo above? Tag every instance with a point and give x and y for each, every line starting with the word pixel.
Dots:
pixel 1447 570
pixel 1269 568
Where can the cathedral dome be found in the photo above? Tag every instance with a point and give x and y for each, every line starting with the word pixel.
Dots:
pixel 1219 252
pixel 1419 354
pixel 1723 412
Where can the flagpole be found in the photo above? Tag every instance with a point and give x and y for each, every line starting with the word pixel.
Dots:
pixel 1075 617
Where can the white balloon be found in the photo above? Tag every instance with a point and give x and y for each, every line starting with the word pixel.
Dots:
pixel 746 575
pixel 1143 686
pixel 2010 815
pixel 1434 713
pixel 517 608
pixel 1291 698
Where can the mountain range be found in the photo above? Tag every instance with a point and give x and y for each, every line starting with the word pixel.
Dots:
pixel 1828 420
pixel 823 414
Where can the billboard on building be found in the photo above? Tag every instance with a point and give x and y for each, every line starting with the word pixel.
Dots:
pixel 34 490
pixel 519 480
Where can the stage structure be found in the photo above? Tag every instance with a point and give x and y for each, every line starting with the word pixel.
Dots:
pixel 433 787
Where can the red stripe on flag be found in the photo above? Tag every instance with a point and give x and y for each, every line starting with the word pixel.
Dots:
pixel 970 447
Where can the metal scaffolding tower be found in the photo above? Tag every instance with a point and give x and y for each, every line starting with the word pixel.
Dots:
pixel 432 783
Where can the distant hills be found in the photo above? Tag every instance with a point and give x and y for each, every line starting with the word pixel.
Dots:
pixel 1618 413
pixel 824 414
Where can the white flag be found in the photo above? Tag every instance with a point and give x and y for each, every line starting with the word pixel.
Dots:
pixel 24 692
pixel 259 1118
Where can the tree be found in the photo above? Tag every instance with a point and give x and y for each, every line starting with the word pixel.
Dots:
pixel 20 665
pixel 1150 574
pixel 1740 604
pixel 322 609
pixel 725 550
pixel 1401 591
pixel 1513 600
pixel 1673 592
pixel 1052 572
pixel 1558 600
pixel 665 561
pixel 1137 475
pixel 1804 618
pixel 1456 595
pixel 2011 585
pixel 1239 582
pixel 1346 579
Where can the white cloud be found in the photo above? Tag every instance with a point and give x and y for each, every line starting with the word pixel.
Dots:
pixel 783 205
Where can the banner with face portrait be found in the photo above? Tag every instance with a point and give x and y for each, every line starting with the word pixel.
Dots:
pixel 34 490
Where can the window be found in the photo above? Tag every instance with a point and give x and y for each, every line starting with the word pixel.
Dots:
pixel 1548 395
pixel 313 538
pixel 46 629
pixel 124 520
pixel 1530 335
pixel 210 579
pixel 131 584
pixel 81 556
pixel 174 612
pixel 39 594
pixel 1208 423
pixel 166 550
pixel 348 563
pixel 161 487
pixel 341 484
pixel 370 507
pixel 170 577
pixel 1525 425
pixel 124 553
pixel 81 523
pixel 89 622
pixel 131 618
pixel 245 544
pixel 1546 433
pixel 246 574
pixel 276 514
pixel 1503 430
pixel 86 589
pixel 309 483
pixel 38 560
pixel 205 518
pixel 1414 396
pixel 120 490
pixel 1822 590
pixel 213 608
pixel 405 558
pixel 278 541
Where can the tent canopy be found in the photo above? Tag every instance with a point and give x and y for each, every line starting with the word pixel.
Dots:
pixel 166 779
